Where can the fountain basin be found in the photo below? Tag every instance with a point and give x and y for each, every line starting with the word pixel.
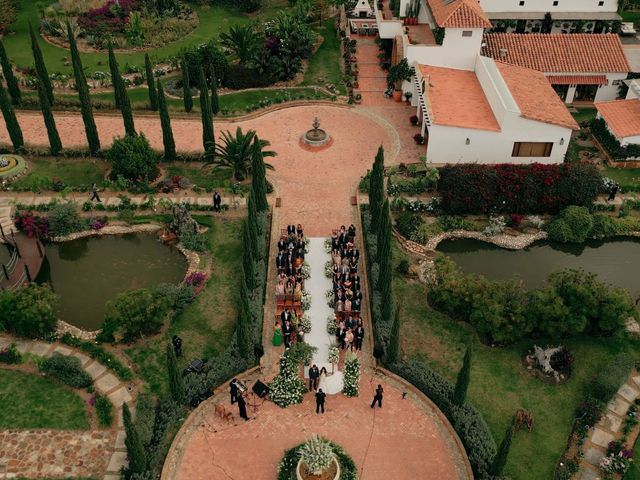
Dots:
pixel 316 137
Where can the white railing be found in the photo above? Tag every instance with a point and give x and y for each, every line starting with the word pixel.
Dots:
pixel 421 101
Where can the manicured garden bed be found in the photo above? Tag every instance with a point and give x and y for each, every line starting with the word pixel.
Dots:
pixel 44 172
pixel 32 401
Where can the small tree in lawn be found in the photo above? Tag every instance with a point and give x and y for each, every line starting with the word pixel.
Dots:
pixel 41 68
pixel 10 119
pixel 151 83
pixel 133 158
pixel 176 383
pixel 165 121
pixel 83 92
pixel 462 383
pixel 208 139
pixel 500 459
pixel 351 386
pixel 52 131
pixel 135 450
pixel 215 101
pixel 186 86
pixel 12 84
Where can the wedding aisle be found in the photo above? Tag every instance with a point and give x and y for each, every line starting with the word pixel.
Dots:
pixel 317 285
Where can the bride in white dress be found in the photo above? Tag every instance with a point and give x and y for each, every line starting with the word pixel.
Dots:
pixel 331 384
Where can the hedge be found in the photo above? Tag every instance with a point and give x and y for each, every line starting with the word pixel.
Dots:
pixel 67 369
pixel 506 188
pixel 466 420
pixel 98 353
pixel 239 77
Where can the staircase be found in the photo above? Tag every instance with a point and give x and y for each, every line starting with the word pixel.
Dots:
pixel 6 219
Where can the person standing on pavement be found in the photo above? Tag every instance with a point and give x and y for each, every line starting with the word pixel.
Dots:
pixel 320 397
pixel 378 397
pixel 94 194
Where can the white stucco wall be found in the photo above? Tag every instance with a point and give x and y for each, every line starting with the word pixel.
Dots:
pixel 547 6
pixel 627 140
pixel 456 51
pixel 448 144
pixel 604 93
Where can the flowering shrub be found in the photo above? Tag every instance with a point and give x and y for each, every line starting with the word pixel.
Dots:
pixel 535 221
pixel 287 387
pixel 31 224
pixel 306 301
pixel 328 269
pixel 618 459
pixel 400 204
pixel 351 386
pixel 334 355
pixel 112 17
pixel 195 279
pixel 99 223
pixel 305 323
pixel 331 324
pixel 506 188
pixel 495 227
pixel 306 270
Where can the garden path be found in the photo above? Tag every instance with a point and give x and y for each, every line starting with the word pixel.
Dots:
pixel 609 428
pixel 55 453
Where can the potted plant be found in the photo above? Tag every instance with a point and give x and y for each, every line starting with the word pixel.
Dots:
pixel 407 97
pixel 414 120
pixel 317 458
pixel 419 139
pixel 357 98
pixel 397 74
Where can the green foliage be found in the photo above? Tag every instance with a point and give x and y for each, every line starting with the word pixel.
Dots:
pixel 12 83
pixel 151 83
pixel 121 95
pixel 67 369
pixel 208 56
pixel 176 383
pixel 351 376
pixel 317 454
pixel 64 219
pixel 610 143
pixel 609 379
pixel 41 69
pixel 191 240
pixel 243 41
pixel 215 101
pixel 289 462
pixel 177 297
pixel 165 121
pixel 133 159
pixel 407 223
pixel 133 314
pixel 135 449
pixel 398 73
pixel 503 452
pixel 258 176
pixel 236 153
pixel 145 416
pixel 104 410
pixel 574 225
pixel 29 311
pixel 208 138
pixel 10 355
pixel 49 121
pixel 287 388
pixel 116 78
pixel 101 355
pixel 186 86
pixel 462 382
pixel 393 351
pixel 10 119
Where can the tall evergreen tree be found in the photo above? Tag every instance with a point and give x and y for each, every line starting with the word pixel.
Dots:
pixel 135 450
pixel 462 382
pixel 151 83
pixel 243 335
pixel 252 222
pixel 176 383
pixel 49 121
pixel 41 68
pixel 248 262
pixel 208 139
pixel 115 74
pixel 10 119
pixel 393 352
pixel 215 101
pixel 376 189
pixel 12 84
pixel 258 177
pixel 186 85
pixel 83 92
pixel 500 460
pixel 165 122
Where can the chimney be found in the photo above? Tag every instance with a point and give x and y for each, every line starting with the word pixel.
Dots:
pixel 503 52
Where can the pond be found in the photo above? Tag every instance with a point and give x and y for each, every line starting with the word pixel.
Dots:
pixel 88 272
pixel 616 262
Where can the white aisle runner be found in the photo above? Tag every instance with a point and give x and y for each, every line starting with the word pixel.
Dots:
pixel 317 286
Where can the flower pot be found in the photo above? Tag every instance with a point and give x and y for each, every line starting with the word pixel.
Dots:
pixel 300 477
pixel 397 95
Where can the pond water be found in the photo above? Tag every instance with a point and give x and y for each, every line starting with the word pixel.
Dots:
pixel 615 261
pixel 88 272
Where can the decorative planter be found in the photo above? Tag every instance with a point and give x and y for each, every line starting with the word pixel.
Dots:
pixel 397 95
pixel 300 477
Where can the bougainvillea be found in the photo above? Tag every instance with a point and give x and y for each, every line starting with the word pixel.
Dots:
pixel 32 225
pixel 112 17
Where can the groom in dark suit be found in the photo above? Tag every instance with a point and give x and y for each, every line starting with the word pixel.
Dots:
pixel 314 374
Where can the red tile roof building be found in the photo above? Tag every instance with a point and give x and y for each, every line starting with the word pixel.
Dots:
pixel 458 14
pixel 622 116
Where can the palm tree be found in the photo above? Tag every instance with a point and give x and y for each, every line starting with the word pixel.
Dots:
pixel 242 41
pixel 235 152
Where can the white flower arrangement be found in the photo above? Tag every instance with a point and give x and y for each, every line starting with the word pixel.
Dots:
pixel 331 298
pixel 307 242
pixel 334 355
pixel 351 386
pixel 305 323
pixel 317 454
pixel 328 244
pixel 328 269
pixel 306 301
pixel 287 387
pixel 306 270
pixel 495 227
pixel 331 324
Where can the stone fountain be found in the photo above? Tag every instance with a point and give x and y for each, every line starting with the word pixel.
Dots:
pixel 316 137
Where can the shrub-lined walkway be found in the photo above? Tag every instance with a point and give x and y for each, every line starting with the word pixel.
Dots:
pixel 74 453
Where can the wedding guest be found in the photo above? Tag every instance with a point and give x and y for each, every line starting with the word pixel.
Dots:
pixel 320 397
pixel 287 330
pixel 348 339
pixel 350 323
pixel 280 288
pixel 355 305
pixel 352 231
pixel 282 244
pixel 343 337
pixel 217 201
pixel 359 336
pixel 299 230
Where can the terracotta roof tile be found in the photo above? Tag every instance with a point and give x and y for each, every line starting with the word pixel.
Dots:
pixel 459 14
pixel 456 99
pixel 622 116
pixel 536 98
pixel 558 53
pixel 577 79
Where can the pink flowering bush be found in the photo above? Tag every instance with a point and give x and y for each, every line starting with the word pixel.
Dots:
pixel 112 17
pixel 195 279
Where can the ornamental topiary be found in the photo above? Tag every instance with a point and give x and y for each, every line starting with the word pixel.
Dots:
pixel 132 158
pixel 316 454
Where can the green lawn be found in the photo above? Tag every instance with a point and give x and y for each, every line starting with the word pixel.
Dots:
pixel 324 66
pixel 584 114
pixel 628 178
pixel 634 470
pixel 202 177
pixel 499 383
pixel 205 326
pixel 71 171
pixel 32 401
pixel 630 16
pixel 213 21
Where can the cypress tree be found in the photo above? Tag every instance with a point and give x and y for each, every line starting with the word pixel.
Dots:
pixel 165 121
pixel 376 189
pixel 500 460
pixel 215 101
pixel 83 92
pixel 258 177
pixel 243 336
pixel 135 450
pixel 176 383
pixel 186 86
pixel 49 121
pixel 10 119
pixel 41 68
pixel 151 83
pixel 115 75
pixel 248 262
pixel 464 377
pixel 12 84
pixel 393 352
pixel 252 222
pixel 208 139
